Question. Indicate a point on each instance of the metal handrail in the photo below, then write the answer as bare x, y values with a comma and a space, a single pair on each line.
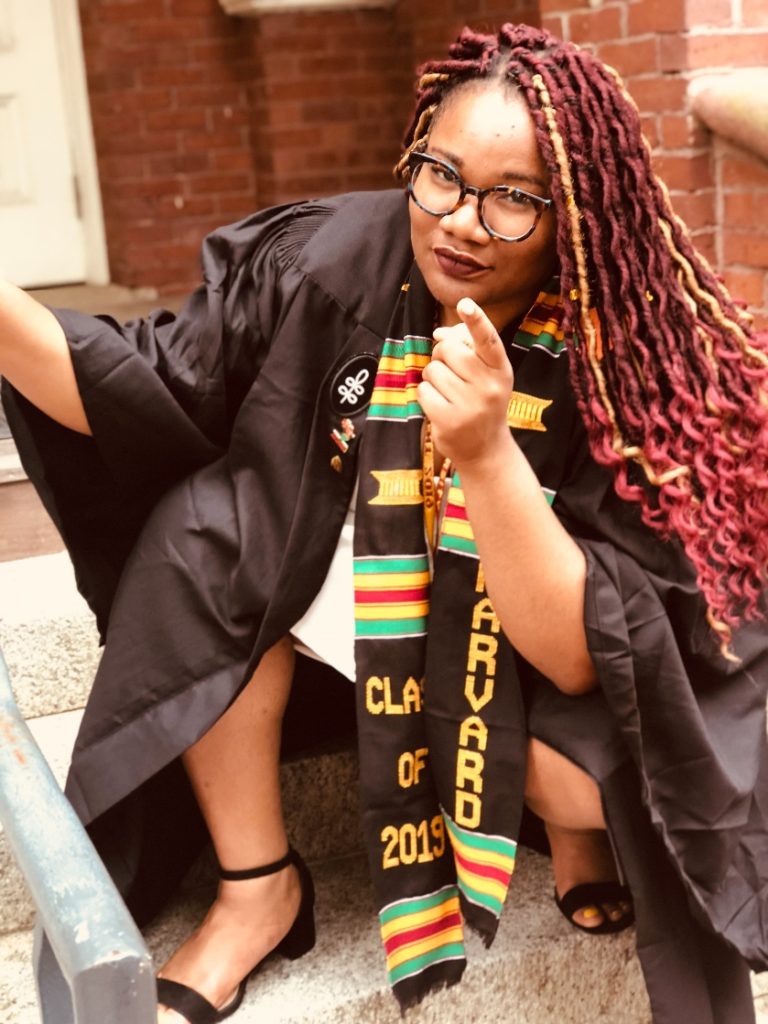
97, 950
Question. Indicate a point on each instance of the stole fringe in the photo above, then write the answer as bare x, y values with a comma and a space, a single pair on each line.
411, 992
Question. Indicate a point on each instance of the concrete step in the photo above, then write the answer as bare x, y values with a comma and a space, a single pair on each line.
47, 634
760, 989
116, 300
26, 528
538, 970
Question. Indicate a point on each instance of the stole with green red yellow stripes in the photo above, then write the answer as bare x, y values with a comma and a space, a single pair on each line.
441, 725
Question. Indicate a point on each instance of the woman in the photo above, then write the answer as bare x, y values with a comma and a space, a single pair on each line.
593, 646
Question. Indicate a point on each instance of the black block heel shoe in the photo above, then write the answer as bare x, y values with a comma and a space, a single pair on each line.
299, 940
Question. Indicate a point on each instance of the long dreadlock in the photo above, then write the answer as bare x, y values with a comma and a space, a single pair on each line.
668, 374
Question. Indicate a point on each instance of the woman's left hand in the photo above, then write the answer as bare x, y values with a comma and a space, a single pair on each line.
466, 387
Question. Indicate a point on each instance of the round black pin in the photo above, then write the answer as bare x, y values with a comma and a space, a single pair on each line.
352, 386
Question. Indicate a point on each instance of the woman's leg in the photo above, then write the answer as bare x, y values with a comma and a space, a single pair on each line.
234, 770
567, 799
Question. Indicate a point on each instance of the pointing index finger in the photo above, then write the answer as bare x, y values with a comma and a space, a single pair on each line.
484, 335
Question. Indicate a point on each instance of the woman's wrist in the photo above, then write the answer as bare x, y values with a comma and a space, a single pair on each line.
488, 461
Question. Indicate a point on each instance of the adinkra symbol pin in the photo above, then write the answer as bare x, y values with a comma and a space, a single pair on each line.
352, 386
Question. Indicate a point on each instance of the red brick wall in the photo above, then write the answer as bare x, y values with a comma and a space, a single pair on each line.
326, 114
638, 38
742, 241
334, 90
724, 34
432, 24
200, 117
169, 90
659, 46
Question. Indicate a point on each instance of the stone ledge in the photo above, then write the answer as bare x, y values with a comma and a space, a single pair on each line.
735, 105
253, 8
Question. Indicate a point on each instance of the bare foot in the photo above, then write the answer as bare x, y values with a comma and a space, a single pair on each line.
580, 856
247, 920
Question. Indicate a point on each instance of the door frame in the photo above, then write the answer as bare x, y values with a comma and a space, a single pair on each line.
69, 42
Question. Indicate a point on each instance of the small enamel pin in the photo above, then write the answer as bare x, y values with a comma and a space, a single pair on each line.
341, 437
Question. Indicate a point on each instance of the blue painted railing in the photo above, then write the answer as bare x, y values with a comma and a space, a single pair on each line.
91, 958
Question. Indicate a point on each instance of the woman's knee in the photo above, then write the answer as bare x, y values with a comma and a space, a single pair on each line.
266, 692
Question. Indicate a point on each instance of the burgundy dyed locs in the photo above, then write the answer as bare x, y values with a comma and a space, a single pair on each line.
670, 378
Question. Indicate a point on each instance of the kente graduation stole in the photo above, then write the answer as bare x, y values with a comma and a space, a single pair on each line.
441, 724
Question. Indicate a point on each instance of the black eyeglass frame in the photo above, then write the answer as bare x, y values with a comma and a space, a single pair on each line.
415, 160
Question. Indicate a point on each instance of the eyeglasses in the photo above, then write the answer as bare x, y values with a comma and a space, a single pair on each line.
506, 212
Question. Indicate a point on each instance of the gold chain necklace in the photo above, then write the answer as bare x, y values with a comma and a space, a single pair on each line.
433, 491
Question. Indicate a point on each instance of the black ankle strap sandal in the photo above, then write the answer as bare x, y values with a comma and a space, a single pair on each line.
597, 894
299, 940
268, 869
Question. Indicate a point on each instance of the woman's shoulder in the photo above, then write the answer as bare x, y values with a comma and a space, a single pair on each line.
320, 234
355, 248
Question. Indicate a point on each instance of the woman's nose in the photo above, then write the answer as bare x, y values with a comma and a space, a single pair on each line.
465, 222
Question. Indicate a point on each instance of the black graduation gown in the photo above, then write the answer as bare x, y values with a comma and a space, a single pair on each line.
211, 444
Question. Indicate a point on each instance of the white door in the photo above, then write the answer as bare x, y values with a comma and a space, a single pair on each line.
41, 230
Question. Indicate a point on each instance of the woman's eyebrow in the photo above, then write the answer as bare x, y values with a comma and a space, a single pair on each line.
458, 163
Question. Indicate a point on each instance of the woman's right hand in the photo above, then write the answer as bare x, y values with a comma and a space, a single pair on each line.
35, 359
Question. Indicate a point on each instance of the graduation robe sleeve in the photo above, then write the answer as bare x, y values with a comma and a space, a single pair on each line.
161, 394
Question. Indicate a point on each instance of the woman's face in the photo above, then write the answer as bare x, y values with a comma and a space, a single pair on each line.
487, 134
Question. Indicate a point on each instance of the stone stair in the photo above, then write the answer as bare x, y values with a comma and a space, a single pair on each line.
538, 970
